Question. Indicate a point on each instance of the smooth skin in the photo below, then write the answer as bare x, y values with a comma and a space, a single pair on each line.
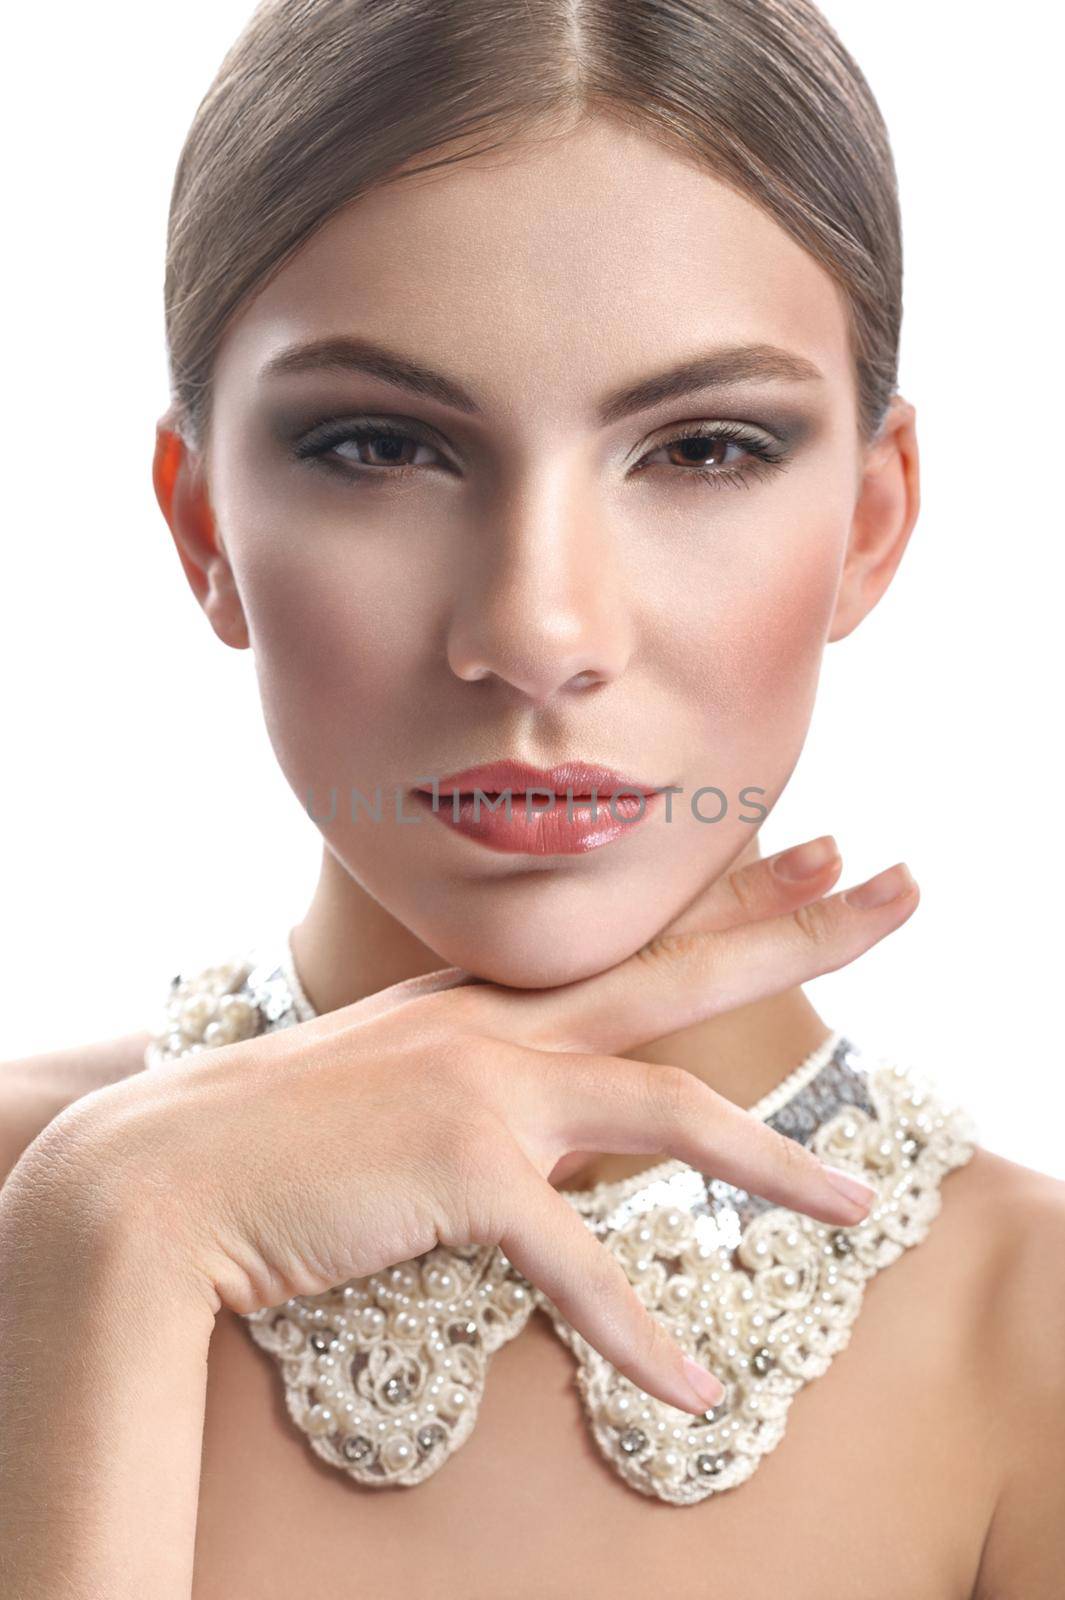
534, 581
430, 1113
531, 582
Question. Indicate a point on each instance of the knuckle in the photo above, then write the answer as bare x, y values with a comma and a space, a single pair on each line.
793, 1158
667, 1093
653, 1345
651, 953
666, 947
605, 1280
815, 922
690, 955
743, 886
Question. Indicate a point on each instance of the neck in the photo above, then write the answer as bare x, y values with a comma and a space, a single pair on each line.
348, 947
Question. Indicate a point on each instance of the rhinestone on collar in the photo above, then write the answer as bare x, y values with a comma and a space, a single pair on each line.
384, 1374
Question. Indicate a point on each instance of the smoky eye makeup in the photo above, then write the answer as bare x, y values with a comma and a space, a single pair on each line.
363, 429
374, 449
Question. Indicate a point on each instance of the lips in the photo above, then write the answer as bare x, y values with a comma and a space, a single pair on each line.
547, 827
519, 777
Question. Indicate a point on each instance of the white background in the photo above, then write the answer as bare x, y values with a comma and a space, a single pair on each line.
145, 820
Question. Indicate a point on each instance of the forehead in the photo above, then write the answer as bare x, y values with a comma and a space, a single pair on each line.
550, 268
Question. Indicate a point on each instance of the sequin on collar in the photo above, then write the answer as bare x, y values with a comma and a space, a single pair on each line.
384, 1375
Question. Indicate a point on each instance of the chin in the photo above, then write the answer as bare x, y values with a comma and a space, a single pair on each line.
534, 963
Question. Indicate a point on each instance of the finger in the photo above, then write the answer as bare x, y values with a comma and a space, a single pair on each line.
770, 887
677, 980
764, 888
615, 1104
416, 988
759, 889
422, 987
557, 1252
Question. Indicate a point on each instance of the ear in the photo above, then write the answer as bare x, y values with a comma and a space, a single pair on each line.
889, 498
181, 490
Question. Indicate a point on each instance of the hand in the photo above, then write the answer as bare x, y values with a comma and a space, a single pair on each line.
437, 1111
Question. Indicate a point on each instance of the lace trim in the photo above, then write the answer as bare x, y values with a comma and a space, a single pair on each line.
385, 1374
768, 1315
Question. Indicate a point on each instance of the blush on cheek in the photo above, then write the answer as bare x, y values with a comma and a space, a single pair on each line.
754, 677
328, 671
793, 624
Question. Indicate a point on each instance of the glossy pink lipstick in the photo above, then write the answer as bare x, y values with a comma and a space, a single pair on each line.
563, 810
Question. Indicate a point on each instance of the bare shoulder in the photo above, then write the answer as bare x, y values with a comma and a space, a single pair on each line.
988, 1186
35, 1089
1009, 1222
1011, 1219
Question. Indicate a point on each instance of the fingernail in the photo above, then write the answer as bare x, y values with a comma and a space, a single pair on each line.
850, 1187
882, 889
707, 1389
806, 859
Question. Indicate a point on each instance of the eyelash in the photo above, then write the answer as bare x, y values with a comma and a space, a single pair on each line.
766, 454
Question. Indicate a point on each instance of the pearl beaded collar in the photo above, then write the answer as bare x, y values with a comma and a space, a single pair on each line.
384, 1375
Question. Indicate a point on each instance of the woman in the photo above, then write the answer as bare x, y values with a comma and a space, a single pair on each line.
534, 421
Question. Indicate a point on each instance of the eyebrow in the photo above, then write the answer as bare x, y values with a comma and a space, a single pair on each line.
717, 368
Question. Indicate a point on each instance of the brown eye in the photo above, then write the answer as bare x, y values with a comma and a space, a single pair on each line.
380, 449
700, 450
369, 451
718, 454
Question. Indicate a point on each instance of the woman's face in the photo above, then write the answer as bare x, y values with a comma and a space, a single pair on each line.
541, 571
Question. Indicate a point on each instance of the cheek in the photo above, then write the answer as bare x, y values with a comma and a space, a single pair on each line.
332, 642
781, 639
751, 657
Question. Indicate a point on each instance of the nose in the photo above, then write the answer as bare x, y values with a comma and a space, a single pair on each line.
541, 604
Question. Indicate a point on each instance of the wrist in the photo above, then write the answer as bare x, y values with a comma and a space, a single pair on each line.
88, 1221
104, 1339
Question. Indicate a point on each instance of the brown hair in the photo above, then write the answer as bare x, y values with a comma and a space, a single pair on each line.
318, 100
